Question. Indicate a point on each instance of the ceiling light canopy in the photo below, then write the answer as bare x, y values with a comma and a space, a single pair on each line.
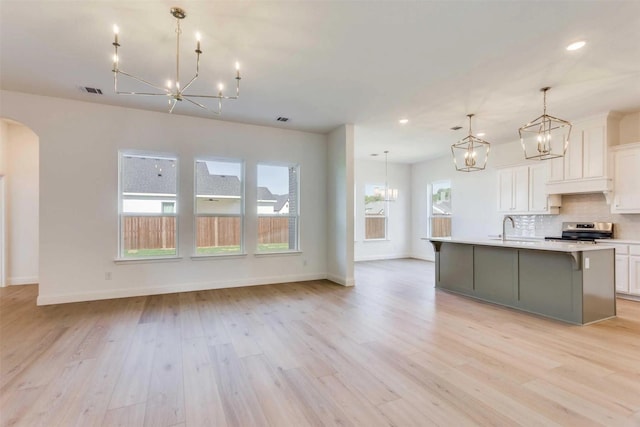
403, 121
471, 153
174, 90
546, 137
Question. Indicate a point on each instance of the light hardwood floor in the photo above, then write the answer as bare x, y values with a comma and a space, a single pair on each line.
391, 351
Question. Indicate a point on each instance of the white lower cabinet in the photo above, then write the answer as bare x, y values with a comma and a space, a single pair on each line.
622, 273
627, 268
634, 274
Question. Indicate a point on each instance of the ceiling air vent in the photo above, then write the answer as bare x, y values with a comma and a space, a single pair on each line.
456, 128
92, 90
282, 119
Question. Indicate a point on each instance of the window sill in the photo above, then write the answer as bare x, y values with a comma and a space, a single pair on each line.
376, 240
210, 257
147, 260
285, 253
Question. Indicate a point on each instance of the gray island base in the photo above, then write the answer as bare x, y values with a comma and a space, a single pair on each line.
570, 282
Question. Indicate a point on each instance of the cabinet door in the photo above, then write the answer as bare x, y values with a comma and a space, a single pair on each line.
626, 179
556, 169
594, 152
573, 157
622, 273
505, 190
521, 189
537, 188
634, 274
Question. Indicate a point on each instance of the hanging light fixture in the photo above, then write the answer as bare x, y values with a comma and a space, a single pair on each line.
174, 90
470, 154
387, 194
546, 137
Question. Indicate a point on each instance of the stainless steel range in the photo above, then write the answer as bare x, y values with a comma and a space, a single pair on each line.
584, 232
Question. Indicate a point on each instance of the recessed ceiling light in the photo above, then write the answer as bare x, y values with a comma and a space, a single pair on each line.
403, 121
480, 134
577, 45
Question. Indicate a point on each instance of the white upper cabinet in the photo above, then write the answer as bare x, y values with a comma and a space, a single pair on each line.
626, 178
584, 169
521, 190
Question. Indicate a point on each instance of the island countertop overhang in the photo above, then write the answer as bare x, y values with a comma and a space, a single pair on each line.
523, 244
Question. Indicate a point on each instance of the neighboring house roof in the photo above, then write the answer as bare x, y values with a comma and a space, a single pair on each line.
147, 175
281, 200
216, 185
264, 194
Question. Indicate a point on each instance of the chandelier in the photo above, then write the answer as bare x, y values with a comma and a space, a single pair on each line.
174, 90
470, 153
546, 137
390, 194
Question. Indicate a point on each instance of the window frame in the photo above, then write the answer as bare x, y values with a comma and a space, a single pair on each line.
121, 214
297, 215
196, 215
386, 216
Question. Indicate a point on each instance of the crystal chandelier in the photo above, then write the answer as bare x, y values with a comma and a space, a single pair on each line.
546, 137
174, 90
470, 153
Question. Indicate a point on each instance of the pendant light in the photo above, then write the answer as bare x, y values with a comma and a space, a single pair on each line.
546, 137
471, 153
390, 194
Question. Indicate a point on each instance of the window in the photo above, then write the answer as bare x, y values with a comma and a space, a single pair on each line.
219, 206
278, 208
147, 206
375, 212
440, 209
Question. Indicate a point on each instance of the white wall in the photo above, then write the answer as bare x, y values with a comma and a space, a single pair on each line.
630, 128
21, 204
79, 145
339, 209
4, 138
398, 243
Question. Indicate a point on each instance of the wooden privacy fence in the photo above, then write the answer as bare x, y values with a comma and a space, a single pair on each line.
217, 231
273, 229
374, 227
440, 226
155, 232
149, 232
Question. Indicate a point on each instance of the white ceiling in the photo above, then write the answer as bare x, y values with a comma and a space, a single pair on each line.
324, 63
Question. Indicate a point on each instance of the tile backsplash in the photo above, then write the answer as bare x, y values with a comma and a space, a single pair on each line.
576, 208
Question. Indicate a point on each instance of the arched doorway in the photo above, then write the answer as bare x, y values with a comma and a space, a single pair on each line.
19, 204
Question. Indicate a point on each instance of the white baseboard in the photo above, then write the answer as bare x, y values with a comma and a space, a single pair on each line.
24, 280
341, 281
423, 258
170, 289
381, 257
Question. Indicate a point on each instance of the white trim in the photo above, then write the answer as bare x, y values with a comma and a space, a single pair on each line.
170, 289
382, 257
146, 260
24, 280
220, 256
341, 281
261, 254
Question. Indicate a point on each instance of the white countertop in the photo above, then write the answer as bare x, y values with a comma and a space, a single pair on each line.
539, 245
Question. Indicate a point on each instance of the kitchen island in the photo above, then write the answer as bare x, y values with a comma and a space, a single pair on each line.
566, 281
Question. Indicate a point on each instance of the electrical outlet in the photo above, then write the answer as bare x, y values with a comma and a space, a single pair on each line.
107, 275
586, 264
304, 262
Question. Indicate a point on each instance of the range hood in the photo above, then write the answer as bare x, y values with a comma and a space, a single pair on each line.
583, 186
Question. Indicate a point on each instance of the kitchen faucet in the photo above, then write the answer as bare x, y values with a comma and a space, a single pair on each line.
504, 226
